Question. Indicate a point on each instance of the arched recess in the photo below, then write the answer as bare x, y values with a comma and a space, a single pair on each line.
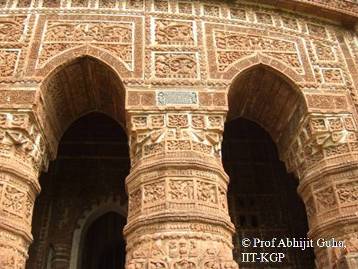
78, 86
88, 218
265, 95
262, 96
84, 182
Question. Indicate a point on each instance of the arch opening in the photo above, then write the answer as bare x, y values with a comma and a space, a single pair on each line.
103, 243
262, 197
85, 182
269, 98
83, 85
265, 110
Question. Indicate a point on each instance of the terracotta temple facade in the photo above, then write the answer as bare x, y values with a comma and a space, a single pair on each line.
145, 134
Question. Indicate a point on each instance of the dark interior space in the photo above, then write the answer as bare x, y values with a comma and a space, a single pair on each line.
91, 166
104, 246
263, 201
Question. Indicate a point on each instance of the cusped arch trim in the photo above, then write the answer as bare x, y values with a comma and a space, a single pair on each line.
72, 54
280, 68
88, 217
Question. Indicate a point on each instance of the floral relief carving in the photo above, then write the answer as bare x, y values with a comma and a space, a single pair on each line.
325, 199
135, 4
321, 101
11, 29
264, 18
24, 3
176, 65
323, 137
157, 121
20, 139
347, 192
8, 62
211, 10
290, 23
317, 30
161, 5
51, 3
332, 76
184, 264
238, 14
154, 192
181, 190
185, 7
107, 4
158, 133
207, 192
116, 37
324, 52
181, 253
79, 3
198, 121
178, 121
135, 200
233, 46
169, 32
13, 200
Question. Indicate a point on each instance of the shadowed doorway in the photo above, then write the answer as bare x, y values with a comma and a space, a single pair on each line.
104, 246
262, 196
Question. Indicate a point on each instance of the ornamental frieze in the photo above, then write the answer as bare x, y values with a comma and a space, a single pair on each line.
116, 37
21, 139
8, 61
234, 46
159, 133
322, 138
12, 29
174, 32
179, 252
174, 65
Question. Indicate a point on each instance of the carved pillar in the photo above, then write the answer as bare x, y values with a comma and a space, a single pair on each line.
21, 159
178, 215
325, 157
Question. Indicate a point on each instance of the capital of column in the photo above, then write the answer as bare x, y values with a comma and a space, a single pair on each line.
325, 157
22, 156
178, 213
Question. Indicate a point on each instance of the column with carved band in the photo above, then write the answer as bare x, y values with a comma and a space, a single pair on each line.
22, 156
325, 157
178, 215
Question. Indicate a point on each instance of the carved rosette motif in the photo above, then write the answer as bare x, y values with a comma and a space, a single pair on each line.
178, 214
22, 156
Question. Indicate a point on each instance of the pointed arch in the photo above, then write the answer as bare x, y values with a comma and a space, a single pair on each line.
261, 59
88, 217
79, 84
270, 96
69, 55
